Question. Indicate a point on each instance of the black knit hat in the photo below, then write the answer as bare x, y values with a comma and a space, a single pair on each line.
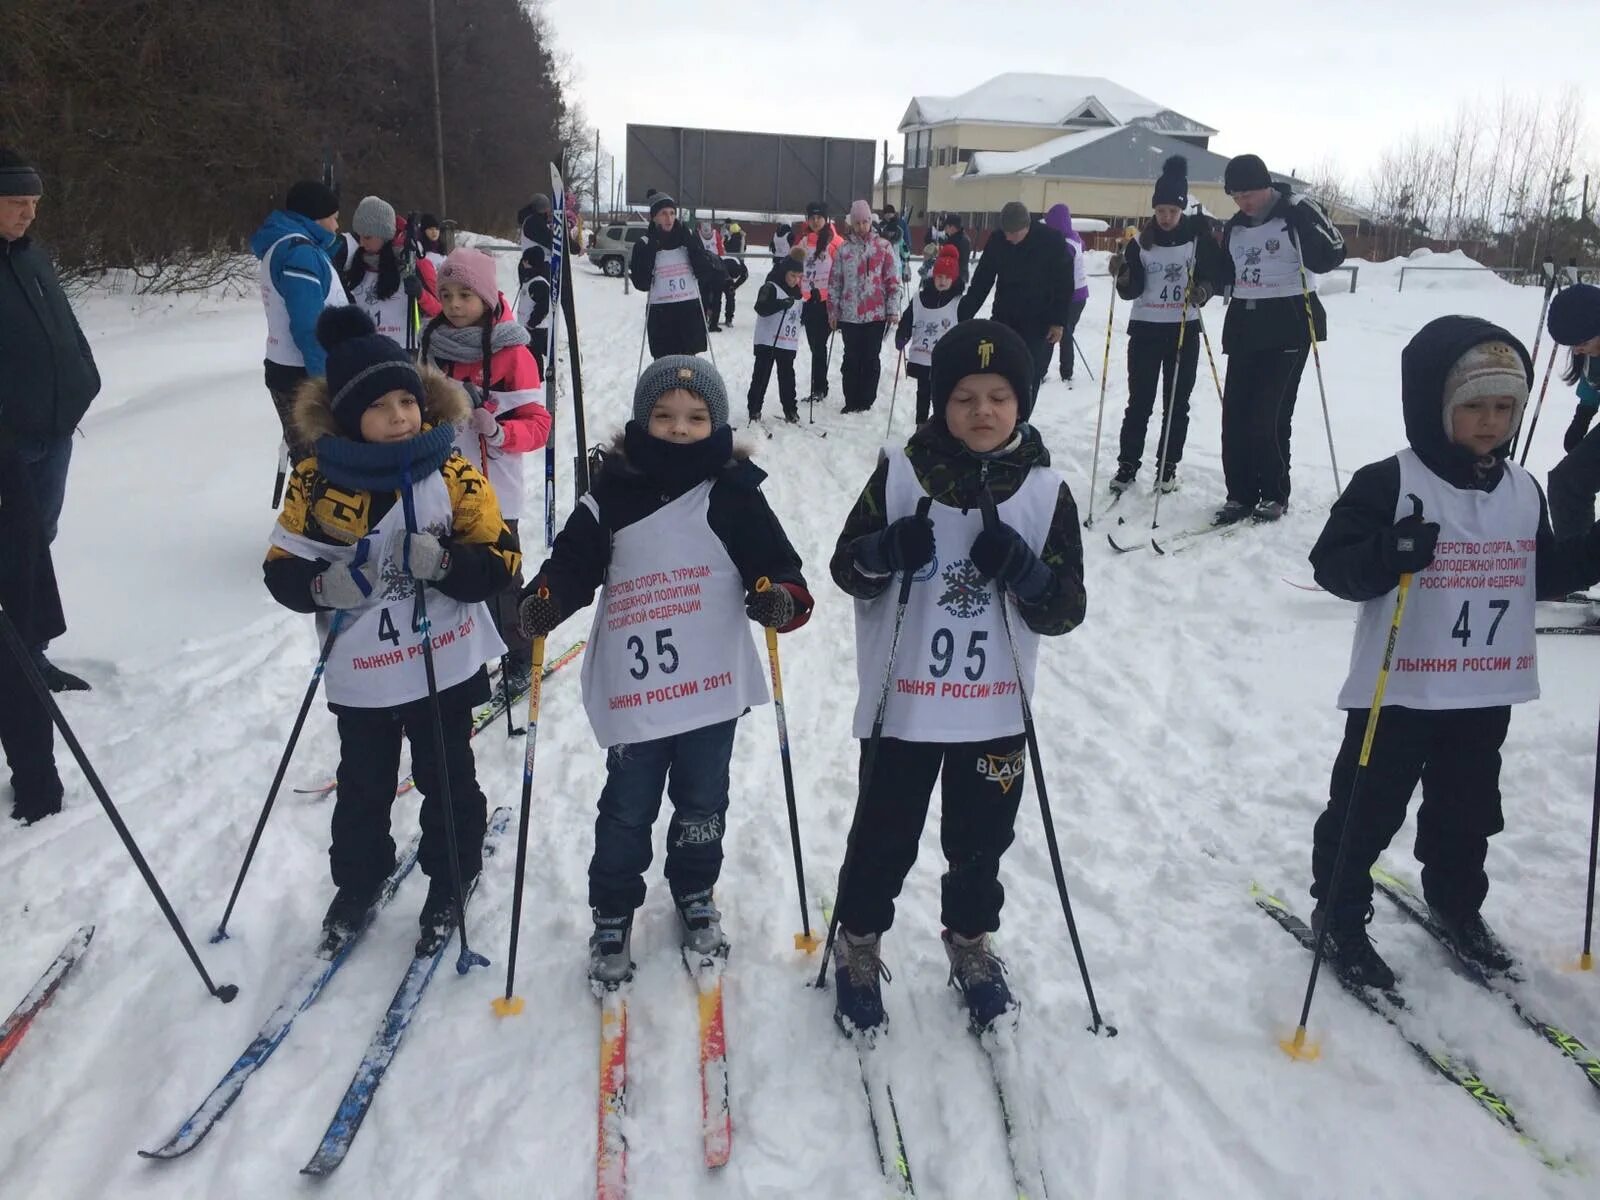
1574, 315
1245, 173
952, 219
659, 201
982, 347
311, 200
816, 209
1173, 185
18, 177
362, 366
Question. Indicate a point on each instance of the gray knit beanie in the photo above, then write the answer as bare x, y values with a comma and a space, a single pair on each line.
687, 371
374, 218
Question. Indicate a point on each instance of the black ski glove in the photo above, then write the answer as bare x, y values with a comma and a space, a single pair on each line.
783, 606
1000, 553
1579, 427
1407, 545
905, 545
1199, 293
413, 286
538, 613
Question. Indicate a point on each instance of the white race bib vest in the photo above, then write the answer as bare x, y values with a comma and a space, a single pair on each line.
673, 281
670, 649
1080, 266
435, 258
1167, 270
928, 325
953, 678
281, 348
780, 245
525, 303
780, 329
504, 471
377, 659
1467, 639
1266, 262
816, 272
391, 315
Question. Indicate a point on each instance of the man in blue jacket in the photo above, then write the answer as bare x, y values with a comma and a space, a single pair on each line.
47, 380
297, 282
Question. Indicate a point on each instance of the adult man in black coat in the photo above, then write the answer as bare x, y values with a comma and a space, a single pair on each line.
47, 371
1030, 267
674, 325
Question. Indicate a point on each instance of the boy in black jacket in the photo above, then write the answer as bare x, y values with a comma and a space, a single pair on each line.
683, 546
1269, 244
1471, 526
777, 336
1169, 272
674, 270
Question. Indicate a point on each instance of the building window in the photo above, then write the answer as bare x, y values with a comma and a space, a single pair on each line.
963, 156
909, 155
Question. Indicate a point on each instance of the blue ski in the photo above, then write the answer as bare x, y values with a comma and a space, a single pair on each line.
385, 1041
301, 995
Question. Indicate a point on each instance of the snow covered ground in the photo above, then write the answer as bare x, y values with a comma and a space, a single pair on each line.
1187, 728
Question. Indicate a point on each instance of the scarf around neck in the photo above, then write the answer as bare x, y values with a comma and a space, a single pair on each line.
384, 467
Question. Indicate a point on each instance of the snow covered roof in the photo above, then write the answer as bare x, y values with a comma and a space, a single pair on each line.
1018, 98
1128, 152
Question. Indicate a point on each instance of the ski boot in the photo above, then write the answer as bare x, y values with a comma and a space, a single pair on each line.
1169, 480
1123, 479
979, 976
1350, 949
31, 802
438, 918
346, 915
1231, 513
792, 415
516, 677
1472, 938
858, 972
701, 925
611, 950
1268, 510
55, 678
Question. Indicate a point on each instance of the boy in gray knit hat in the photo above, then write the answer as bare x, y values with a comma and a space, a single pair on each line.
678, 539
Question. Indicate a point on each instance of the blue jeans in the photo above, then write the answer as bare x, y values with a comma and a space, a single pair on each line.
47, 459
693, 768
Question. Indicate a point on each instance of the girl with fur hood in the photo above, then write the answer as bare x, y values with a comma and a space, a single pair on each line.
930, 315
682, 545
384, 507
478, 342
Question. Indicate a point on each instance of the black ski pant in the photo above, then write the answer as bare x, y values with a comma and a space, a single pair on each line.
1573, 484
814, 320
862, 365
766, 358
692, 767
737, 274
283, 402
32, 602
924, 377
1456, 755
676, 328
1257, 410
980, 786
362, 850
539, 347
1152, 354
503, 608
1068, 355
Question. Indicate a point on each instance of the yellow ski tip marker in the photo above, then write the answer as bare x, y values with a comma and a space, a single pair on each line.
807, 942
507, 1006
1299, 1047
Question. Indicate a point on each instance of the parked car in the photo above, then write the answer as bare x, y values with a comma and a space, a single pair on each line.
613, 246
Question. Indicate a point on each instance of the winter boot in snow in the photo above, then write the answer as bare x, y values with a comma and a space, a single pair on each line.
1474, 940
55, 678
34, 802
346, 915
701, 924
979, 976
857, 972
792, 415
1231, 513
1123, 479
1350, 950
1268, 510
437, 920
611, 949
1169, 479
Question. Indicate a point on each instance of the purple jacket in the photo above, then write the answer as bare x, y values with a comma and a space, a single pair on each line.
1059, 218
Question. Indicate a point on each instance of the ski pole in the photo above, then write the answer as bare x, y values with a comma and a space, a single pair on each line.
467, 958
221, 935
705, 324
1082, 357
1533, 423
283, 474
894, 391
1316, 357
1586, 959
806, 940
510, 1004
991, 518
1296, 1046
569, 309
869, 755
227, 991
1168, 414
1100, 416
1205, 339
639, 368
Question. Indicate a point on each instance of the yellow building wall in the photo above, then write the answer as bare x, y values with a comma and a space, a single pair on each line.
1086, 198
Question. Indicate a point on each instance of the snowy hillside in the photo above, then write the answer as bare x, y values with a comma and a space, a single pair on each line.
1187, 728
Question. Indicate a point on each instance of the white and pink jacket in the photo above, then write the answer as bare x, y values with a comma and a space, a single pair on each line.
864, 284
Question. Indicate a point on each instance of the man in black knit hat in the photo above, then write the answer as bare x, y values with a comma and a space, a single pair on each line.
1275, 238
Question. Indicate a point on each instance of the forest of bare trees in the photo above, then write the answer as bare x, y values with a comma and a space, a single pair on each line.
169, 127
1504, 178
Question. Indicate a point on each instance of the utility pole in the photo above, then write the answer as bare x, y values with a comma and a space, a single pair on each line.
438, 118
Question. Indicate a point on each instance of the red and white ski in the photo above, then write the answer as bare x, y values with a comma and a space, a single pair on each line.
21, 1019
611, 1153
716, 1117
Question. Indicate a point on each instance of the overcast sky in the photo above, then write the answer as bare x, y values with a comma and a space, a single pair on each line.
1295, 82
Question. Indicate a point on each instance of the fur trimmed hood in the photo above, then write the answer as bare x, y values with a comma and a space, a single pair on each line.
313, 418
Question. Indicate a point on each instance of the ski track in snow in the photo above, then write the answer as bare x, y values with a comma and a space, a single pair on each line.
1187, 729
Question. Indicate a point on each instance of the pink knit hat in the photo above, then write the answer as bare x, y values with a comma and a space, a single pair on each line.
473, 270
861, 211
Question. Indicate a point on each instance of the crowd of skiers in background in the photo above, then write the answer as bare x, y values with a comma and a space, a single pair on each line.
408, 388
